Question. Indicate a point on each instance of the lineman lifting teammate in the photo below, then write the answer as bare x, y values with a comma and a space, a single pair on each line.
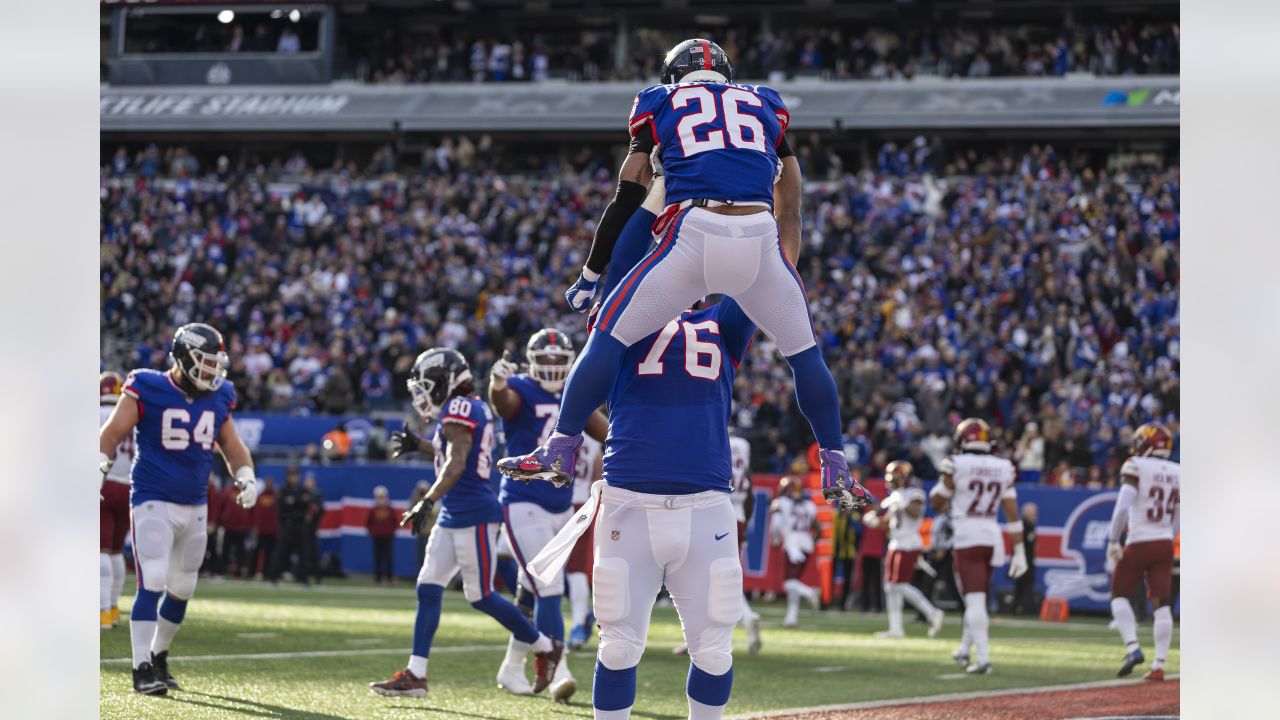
534, 512
904, 509
719, 143
1149, 506
972, 487
175, 418
664, 514
466, 533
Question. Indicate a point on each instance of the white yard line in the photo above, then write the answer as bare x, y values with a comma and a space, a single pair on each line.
948, 697
313, 653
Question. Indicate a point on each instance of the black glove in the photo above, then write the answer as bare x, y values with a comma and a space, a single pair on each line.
418, 517
403, 441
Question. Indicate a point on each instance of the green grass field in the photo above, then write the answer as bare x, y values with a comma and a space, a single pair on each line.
240, 641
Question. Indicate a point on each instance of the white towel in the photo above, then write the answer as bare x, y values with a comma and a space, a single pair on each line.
544, 566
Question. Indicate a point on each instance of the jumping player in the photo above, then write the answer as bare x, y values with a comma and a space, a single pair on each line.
904, 509
973, 485
794, 525
113, 510
534, 512
719, 145
466, 532
1149, 506
175, 417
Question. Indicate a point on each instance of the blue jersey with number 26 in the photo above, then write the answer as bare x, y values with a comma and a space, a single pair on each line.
472, 500
532, 424
174, 437
718, 140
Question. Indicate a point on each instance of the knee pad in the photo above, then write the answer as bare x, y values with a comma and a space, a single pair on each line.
724, 592
610, 595
182, 584
620, 648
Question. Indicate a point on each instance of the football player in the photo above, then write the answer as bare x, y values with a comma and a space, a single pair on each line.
973, 486
533, 513
719, 146
904, 509
793, 523
1148, 506
175, 417
578, 569
466, 532
113, 510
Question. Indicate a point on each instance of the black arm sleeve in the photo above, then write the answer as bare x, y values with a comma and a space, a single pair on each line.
642, 142
784, 148
628, 198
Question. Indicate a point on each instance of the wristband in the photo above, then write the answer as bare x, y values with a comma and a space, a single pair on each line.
245, 474
1014, 527
589, 275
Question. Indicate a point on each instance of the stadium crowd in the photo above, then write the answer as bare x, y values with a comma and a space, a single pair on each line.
1040, 295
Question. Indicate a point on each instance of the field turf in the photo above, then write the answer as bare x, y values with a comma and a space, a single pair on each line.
248, 650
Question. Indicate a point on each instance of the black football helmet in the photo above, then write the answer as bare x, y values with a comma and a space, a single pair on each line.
550, 354
694, 60
200, 355
437, 375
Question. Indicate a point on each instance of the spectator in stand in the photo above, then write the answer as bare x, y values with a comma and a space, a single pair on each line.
289, 42
1029, 455
266, 526
375, 386
381, 524
236, 522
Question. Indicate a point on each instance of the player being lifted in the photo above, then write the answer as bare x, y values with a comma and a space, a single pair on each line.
464, 537
794, 524
904, 509
534, 512
973, 486
1148, 506
113, 510
175, 417
664, 516
719, 143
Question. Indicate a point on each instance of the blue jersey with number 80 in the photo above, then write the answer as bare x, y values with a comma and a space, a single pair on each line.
718, 140
472, 500
175, 437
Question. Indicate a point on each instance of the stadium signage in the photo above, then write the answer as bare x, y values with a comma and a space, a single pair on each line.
264, 104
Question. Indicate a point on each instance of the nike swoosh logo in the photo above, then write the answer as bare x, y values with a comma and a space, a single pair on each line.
721, 536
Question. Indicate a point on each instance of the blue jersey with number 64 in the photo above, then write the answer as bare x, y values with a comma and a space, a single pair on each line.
472, 500
174, 437
717, 140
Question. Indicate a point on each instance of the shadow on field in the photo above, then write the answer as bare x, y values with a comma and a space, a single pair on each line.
254, 709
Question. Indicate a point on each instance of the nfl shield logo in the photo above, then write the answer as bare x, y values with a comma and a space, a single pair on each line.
615, 535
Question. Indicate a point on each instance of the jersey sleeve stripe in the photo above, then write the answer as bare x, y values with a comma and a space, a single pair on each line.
459, 420
131, 391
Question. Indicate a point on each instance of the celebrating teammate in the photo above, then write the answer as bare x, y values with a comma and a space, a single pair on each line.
1149, 506
175, 418
534, 512
794, 525
973, 486
464, 536
719, 145
113, 510
904, 509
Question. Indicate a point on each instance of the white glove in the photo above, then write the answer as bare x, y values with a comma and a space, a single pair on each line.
247, 484
1018, 564
1114, 550
871, 519
502, 371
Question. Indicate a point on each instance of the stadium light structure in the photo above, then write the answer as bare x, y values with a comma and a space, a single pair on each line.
226, 16
295, 15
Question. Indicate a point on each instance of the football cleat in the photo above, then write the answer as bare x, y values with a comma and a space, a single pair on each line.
554, 462
545, 666
146, 682
753, 635
961, 657
839, 488
563, 686
104, 620
1156, 675
935, 622
1132, 660
979, 669
402, 684
511, 678
160, 661
578, 636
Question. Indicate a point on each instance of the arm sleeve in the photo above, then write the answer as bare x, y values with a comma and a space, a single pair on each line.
1120, 514
736, 330
623, 206
633, 243
784, 148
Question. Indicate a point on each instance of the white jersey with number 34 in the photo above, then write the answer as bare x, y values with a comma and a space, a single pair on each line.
981, 482
1152, 515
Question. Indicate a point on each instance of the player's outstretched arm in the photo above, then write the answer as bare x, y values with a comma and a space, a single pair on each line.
633, 185
239, 463
455, 460
503, 399
786, 208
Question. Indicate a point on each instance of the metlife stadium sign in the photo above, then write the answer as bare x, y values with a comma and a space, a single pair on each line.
602, 107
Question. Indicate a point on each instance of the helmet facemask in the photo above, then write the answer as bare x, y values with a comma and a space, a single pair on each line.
204, 370
550, 366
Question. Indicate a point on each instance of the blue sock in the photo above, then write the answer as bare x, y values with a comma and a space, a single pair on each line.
526, 599
589, 382
817, 397
145, 603
500, 609
613, 689
173, 609
708, 689
509, 572
430, 598
550, 619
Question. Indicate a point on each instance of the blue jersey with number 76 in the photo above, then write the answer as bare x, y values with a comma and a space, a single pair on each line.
717, 140
174, 437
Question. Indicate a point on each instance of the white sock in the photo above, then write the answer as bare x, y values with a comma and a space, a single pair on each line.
579, 598
698, 711
104, 578
793, 599
141, 633
747, 613
975, 613
117, 578
542, 644
1122, 611
516, 652
1164, 635
966, 637
623, 714
165, 631
894, 607
418, 666
912, 594
562, 670
812, 594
